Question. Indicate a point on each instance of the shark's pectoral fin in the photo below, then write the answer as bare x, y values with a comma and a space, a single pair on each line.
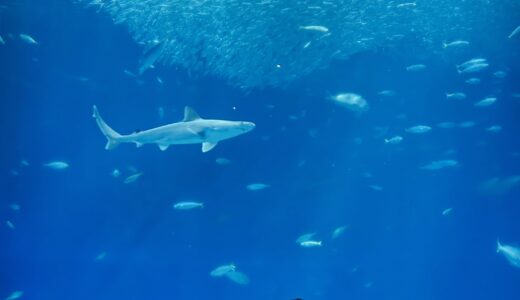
206, 146
163, 147
138, 145
200, 133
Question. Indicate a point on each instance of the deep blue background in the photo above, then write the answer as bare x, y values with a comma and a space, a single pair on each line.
397, 239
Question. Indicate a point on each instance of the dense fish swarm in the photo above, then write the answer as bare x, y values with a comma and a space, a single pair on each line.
273, 42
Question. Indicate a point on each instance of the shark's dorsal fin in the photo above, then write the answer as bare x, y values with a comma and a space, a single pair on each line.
190, 114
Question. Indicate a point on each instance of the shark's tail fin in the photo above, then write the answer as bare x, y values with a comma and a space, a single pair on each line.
499, 246
111, 135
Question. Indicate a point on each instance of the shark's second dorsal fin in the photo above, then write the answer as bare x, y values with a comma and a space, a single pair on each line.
190, 114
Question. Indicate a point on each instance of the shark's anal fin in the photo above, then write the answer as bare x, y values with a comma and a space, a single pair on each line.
138, 145
190, 114
206, 146
163, 147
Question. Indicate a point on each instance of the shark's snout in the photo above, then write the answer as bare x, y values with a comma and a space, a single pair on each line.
247, 126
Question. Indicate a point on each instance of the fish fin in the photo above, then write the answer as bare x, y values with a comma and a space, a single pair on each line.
111, 135
498, 245
138, 145
206, 146
200, 133
163, 147
190, 114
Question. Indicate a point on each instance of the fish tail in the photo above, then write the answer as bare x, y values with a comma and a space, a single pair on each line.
111, 135
498, 245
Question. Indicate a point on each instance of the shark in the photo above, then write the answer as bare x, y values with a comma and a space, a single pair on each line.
191, 130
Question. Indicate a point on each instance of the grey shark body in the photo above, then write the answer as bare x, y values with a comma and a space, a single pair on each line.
191, 130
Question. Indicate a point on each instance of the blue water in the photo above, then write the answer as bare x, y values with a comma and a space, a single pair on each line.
398, 244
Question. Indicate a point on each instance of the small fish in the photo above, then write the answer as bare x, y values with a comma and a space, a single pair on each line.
415, 68
188, 205
500, 74
116, 173
132, 178
456, 96
376, 187
150, 57
222, 161
15, 295
453, 44
494, 128
237, 277
473, 81
257, 186
467, 124
57, 165
2, 42
9, 224
419, 129
15, 207
407, 4
338, 231
447, 125
100, 256
440, 164
512, 254
28, 39
129, 73
318, 28
471, 62
24, 163
311, 244
351, 101
305, 237
387, 93
160, 112
394, 140
473, 68
514, 32
222, 270
486, 102
447, 211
